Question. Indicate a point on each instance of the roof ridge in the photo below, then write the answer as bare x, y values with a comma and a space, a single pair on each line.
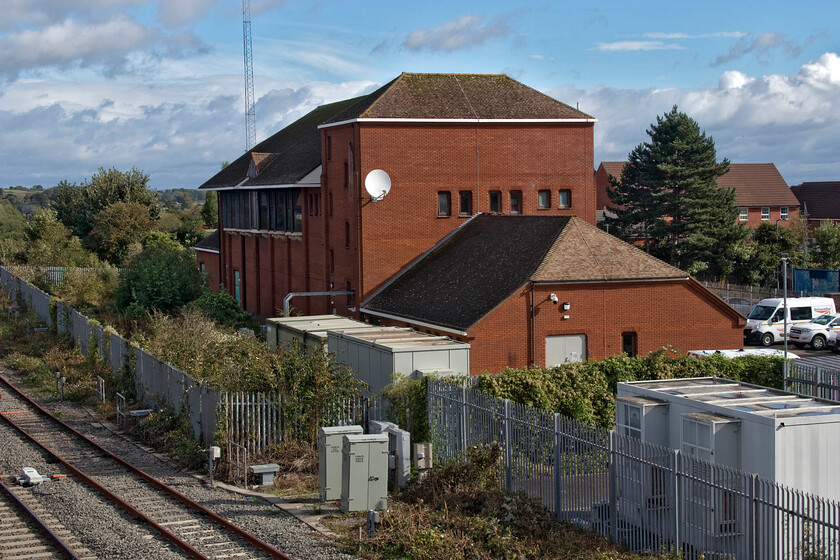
591, 252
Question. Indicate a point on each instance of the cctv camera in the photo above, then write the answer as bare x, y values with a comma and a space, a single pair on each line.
553, 298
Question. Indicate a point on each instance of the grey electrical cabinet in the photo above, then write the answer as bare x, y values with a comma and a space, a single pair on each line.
330, 440
364, 472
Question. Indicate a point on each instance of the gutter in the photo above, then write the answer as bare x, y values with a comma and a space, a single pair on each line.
412, 322
456, 121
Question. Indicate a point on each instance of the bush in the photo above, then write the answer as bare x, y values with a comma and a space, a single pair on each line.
223, 309
159, 279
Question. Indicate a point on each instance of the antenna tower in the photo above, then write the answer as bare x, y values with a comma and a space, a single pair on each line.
250, 121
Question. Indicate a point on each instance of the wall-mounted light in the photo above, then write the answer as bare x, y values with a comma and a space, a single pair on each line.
566, 305
554, 299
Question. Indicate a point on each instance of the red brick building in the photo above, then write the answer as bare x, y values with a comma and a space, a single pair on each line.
761, 193
820, 201
545, 290
295, 216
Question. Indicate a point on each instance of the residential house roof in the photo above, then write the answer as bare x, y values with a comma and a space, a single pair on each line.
490, 257
292, 153
209, 244
821, 197
755, 184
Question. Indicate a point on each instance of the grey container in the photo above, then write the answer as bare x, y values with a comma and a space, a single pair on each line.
364, 472
330, 440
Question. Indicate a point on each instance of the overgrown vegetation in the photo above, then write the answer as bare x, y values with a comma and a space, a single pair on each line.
586, 390
172, 433
458, 512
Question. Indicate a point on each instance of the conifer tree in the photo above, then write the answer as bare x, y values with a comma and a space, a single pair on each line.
668, 198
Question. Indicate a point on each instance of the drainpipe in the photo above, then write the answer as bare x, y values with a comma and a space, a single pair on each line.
533, 329
290, 295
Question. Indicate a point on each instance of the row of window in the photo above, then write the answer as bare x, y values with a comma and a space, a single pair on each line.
269, 210
784, 213
465, 201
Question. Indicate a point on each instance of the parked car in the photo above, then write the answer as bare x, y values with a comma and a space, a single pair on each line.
766, 323
814, 333
735, 353
833, 341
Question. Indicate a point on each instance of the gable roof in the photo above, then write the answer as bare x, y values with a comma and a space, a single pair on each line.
755, 184
487, 259
209, 244
295, 151
821, 197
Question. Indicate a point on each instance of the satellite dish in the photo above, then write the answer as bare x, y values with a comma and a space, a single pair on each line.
377, 184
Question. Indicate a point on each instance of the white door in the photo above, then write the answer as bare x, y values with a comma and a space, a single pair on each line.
565, 349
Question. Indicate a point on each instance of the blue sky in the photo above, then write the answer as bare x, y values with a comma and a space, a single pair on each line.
159, 85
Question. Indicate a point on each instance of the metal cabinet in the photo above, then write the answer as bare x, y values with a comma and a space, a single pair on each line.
364, 472
330, 440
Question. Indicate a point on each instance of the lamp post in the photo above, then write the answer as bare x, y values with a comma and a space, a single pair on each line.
785, 260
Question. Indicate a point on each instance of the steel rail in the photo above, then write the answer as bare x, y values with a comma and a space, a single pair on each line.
56, 540
134, 512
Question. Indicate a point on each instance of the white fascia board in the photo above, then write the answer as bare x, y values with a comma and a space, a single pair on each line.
456, 121
412, 321
214, 251
310, 180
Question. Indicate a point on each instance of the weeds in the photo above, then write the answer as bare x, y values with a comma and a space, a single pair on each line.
173, 434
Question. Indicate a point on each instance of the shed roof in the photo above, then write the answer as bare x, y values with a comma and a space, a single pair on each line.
209, 244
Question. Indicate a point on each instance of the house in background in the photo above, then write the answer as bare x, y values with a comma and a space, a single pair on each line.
547, 290
209, 261
819, 200
295, 218
760, 191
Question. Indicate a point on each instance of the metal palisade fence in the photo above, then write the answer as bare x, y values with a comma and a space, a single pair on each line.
812, 380
646, 497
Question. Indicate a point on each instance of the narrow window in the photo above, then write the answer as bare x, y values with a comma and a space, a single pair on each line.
765, 213
347, 235
515, 202
444, 204
465, 203
346, 175
349, 296
296, 196
329, 148
744, 214
783, 213
564, 198
332, 261
331, 204
203, 271
544, 199
311, 204
236, 287
628, 344
495, 201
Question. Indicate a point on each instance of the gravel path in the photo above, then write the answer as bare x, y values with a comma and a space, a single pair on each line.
110, 536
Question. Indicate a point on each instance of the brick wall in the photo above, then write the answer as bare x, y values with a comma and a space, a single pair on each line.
212, 269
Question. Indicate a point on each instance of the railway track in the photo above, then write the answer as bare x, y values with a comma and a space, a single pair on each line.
27, 531
197, 531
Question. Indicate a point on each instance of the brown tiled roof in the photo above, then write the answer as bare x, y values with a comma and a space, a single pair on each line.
755, 184
758, 184
462, 96
821, 197
613, 168
584, 253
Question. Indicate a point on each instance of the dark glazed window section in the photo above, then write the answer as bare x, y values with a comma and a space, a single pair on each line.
515, 202
267, 210
347, 235
495, 201
465, 203
444, 203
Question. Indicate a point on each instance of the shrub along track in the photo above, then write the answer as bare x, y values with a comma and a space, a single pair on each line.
197, 531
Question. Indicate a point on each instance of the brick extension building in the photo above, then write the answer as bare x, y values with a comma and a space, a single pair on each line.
296, 220
545, 290
295, 217
761, 193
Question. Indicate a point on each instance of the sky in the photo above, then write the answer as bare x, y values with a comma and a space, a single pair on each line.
159, 85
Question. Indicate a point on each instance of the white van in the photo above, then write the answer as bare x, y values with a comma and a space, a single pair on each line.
766, 323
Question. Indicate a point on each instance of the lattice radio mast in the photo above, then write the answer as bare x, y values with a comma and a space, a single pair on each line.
250, 120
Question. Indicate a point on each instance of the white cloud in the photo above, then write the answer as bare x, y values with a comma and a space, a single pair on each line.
638, 46
792, 121
466, 31
723, 34
183, 12
45, 12
760, 46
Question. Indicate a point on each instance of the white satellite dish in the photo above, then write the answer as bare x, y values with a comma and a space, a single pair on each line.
377, 184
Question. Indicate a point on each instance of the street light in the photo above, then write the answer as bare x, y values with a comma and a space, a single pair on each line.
785, 260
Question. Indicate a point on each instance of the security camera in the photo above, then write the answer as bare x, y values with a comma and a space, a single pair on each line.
554, 299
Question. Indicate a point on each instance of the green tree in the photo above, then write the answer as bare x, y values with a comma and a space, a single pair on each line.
50, 243
668, 197
159, 279
825, 251
116, 228
210, 209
